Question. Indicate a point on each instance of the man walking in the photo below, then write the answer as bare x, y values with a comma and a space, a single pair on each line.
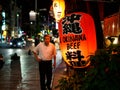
44, 53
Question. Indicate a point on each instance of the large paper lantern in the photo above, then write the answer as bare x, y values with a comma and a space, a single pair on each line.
77, 36
58, 9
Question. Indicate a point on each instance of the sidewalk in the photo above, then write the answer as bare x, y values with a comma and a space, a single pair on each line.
23, 74
58, 73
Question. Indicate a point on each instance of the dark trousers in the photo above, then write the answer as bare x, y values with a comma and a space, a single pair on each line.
1, 63
45, 69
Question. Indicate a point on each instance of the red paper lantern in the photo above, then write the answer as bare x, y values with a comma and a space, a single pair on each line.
77, 36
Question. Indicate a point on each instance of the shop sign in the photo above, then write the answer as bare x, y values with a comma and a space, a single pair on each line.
77, 36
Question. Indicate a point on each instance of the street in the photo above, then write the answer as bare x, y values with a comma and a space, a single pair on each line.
20, 74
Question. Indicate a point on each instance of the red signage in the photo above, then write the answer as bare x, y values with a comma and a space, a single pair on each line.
77, 36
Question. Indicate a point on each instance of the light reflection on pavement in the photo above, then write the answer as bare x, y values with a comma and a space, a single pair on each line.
20, 74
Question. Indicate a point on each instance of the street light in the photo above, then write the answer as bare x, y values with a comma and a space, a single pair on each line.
32, 15
17, 21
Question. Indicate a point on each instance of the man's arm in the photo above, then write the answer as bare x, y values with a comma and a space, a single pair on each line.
36, 56
54, 57
54, 61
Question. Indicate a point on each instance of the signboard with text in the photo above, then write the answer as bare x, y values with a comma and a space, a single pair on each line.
77, 36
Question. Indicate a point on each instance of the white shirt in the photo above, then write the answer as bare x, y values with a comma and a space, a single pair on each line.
45, 52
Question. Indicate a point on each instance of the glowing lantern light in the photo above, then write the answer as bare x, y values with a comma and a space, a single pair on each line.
77, 36
58, 9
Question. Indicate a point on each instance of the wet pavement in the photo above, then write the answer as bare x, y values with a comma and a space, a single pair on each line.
59, 72
23, 74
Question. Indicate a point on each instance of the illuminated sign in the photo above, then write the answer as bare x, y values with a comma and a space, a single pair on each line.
77, 36
58, 9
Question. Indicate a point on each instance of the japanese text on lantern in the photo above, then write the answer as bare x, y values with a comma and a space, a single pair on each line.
71, 24
72, 27
77, 36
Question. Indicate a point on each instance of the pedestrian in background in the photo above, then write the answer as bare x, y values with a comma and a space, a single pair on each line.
1, 61
37, 40
44, 53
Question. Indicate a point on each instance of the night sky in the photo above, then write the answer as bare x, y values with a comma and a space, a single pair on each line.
27, 5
